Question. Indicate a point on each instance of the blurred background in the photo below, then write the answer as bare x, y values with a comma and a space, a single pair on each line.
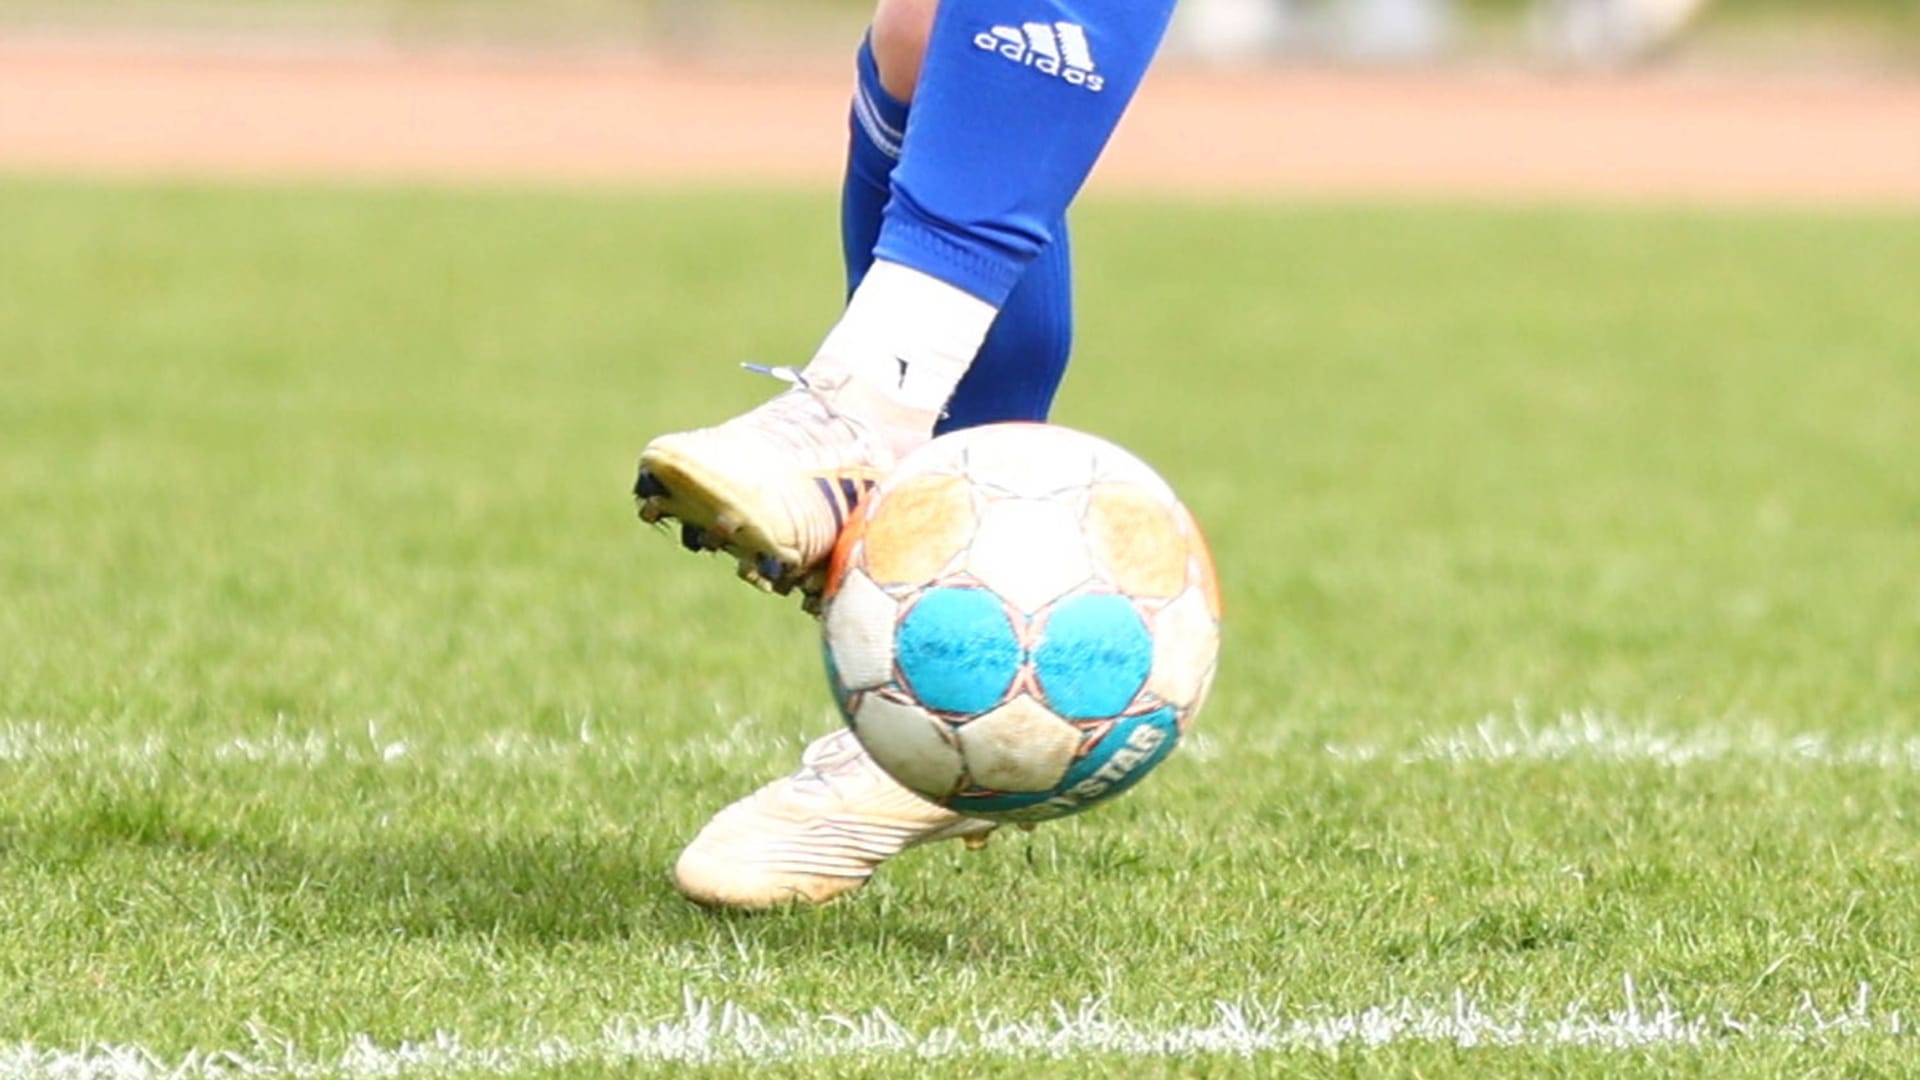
1663, 100
1586, 33
1570, 546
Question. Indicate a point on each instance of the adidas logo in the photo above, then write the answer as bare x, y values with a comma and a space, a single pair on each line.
1057, 49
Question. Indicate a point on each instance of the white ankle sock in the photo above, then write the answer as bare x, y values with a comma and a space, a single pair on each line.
905, 338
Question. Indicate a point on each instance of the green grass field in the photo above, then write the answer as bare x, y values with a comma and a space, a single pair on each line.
1569, 721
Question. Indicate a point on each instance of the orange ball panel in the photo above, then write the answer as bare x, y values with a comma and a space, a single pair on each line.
1136, 538
1208, 580
918, 528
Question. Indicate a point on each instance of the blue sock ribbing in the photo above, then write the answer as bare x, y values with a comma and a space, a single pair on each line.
1024, 357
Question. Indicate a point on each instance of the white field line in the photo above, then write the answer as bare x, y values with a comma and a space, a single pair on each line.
708, 1032
1595, 737
1581, 737
285, 746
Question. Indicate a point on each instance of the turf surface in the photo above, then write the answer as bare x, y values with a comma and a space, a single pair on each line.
1573, 580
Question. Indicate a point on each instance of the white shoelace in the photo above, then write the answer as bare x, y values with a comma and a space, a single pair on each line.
803, 429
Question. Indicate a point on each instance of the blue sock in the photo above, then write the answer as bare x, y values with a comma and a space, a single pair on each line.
1025, 355
1016, 100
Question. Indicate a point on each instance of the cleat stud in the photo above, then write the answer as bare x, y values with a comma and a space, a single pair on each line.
810, 603
648, 486
977, 841
771, 568
692, 537
651, 512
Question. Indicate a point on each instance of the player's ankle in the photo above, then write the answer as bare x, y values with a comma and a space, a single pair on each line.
899, 425
902, 346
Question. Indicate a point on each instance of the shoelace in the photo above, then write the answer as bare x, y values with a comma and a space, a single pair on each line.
838, 761
803, 429
790, 375
795, 377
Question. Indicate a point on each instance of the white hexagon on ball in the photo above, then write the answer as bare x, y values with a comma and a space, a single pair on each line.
1030, 460
1186, 642
1029, 551
1020, 746
910, 744
860, 625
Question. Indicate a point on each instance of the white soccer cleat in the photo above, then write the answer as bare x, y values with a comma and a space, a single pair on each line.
813, 836
773, 486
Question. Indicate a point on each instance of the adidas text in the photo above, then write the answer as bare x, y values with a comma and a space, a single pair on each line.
1056, 49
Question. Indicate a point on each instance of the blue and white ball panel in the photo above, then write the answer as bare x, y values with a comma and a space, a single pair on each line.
1022, 746
859, 632
1093, 657
1029, 551
909, 743
1122, 758
1186, 642
957, 651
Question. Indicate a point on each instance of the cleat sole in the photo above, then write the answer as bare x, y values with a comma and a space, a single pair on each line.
649, 486
711, 520
753, 577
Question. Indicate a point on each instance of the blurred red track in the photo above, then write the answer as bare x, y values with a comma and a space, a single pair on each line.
93, 108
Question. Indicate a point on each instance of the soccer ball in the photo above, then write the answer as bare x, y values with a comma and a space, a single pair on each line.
1020, 621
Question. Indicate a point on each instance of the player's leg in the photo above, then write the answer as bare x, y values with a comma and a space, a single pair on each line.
1014, 102
822, 832
1024, 356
